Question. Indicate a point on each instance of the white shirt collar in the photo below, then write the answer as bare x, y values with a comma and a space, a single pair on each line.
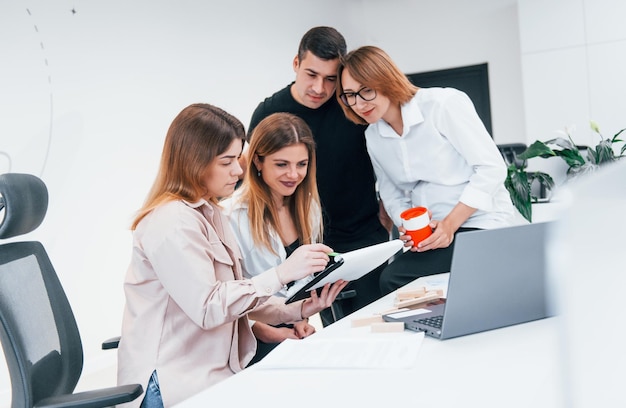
411, 116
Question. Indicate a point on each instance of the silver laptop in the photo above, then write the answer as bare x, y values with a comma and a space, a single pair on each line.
497, 279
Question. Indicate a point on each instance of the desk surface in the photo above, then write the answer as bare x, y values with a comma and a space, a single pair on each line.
515, 366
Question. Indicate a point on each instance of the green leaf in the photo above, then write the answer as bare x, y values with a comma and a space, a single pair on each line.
586, 168
519, 189
563, 143
568, 152
604, 152
571, 157
537, 149
592, 156
544, 181
615, 137
544, 178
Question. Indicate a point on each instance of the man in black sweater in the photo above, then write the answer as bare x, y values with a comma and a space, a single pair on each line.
345, 177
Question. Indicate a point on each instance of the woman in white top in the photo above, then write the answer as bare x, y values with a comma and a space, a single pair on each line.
185, 324
429, 148
276, 210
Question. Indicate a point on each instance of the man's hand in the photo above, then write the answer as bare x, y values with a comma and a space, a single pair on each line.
384, 218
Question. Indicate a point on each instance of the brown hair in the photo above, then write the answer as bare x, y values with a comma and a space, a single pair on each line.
324, 42
195, 138
373, 68
275, 132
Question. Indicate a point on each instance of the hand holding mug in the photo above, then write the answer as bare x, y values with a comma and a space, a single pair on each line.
416, 224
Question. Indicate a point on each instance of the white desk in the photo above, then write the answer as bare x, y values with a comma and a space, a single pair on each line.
511, 367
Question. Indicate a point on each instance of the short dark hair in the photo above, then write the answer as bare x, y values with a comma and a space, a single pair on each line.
324, 42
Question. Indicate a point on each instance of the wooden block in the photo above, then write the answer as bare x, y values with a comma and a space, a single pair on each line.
392, 310
410, 293
366, 320
387, 327
424, 299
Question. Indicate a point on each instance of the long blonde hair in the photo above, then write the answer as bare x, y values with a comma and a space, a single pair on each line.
197, 135
273, 133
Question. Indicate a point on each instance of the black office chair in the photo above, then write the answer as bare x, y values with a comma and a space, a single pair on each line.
336, 308
509, 152
38, 330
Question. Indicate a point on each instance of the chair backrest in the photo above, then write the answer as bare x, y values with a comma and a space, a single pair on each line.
509, 152
24, 198
38, 330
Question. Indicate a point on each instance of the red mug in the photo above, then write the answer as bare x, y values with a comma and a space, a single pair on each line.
416, 222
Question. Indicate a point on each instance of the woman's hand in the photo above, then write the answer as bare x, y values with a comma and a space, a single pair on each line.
271, 334
406, 238
304, 261
444, 230
326, 298
442, 236
303, 329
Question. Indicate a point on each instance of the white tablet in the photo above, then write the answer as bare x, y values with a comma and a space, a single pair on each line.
350, 266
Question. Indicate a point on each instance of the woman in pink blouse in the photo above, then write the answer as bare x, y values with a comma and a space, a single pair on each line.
185, 324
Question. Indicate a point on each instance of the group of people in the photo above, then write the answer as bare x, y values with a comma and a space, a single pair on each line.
330, 161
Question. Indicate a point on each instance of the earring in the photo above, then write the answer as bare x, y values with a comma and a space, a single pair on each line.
258, 173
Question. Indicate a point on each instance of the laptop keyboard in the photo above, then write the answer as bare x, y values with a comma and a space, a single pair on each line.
434, 321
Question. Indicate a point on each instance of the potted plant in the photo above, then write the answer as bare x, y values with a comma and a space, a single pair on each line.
519, 181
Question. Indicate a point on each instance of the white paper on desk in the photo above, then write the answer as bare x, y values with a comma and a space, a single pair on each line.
378, 350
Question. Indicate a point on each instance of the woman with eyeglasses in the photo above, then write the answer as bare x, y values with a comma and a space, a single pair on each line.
429, 148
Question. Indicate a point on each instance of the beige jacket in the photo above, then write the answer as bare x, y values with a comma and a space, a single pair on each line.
187, 303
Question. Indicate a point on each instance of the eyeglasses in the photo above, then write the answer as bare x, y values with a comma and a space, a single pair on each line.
349, 98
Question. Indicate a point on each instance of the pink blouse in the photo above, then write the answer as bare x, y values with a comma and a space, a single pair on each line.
187, 303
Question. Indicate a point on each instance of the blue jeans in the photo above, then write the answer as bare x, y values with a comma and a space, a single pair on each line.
152, 397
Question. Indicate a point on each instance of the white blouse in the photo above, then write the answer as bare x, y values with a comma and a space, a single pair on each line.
444, 155
257, 259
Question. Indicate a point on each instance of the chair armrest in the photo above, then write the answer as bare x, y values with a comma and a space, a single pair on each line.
346, 294
104, 397
111, 343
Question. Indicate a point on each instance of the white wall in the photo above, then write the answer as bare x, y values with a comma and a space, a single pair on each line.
86, 99
429, 35
573, 54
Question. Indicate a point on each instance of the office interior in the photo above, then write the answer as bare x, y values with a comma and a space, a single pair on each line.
89, 88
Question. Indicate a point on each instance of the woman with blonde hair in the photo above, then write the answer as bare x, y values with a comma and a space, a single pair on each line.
277, 209
429, 148
185, 325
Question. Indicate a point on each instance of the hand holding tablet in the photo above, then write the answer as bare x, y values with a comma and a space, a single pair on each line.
350, 266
